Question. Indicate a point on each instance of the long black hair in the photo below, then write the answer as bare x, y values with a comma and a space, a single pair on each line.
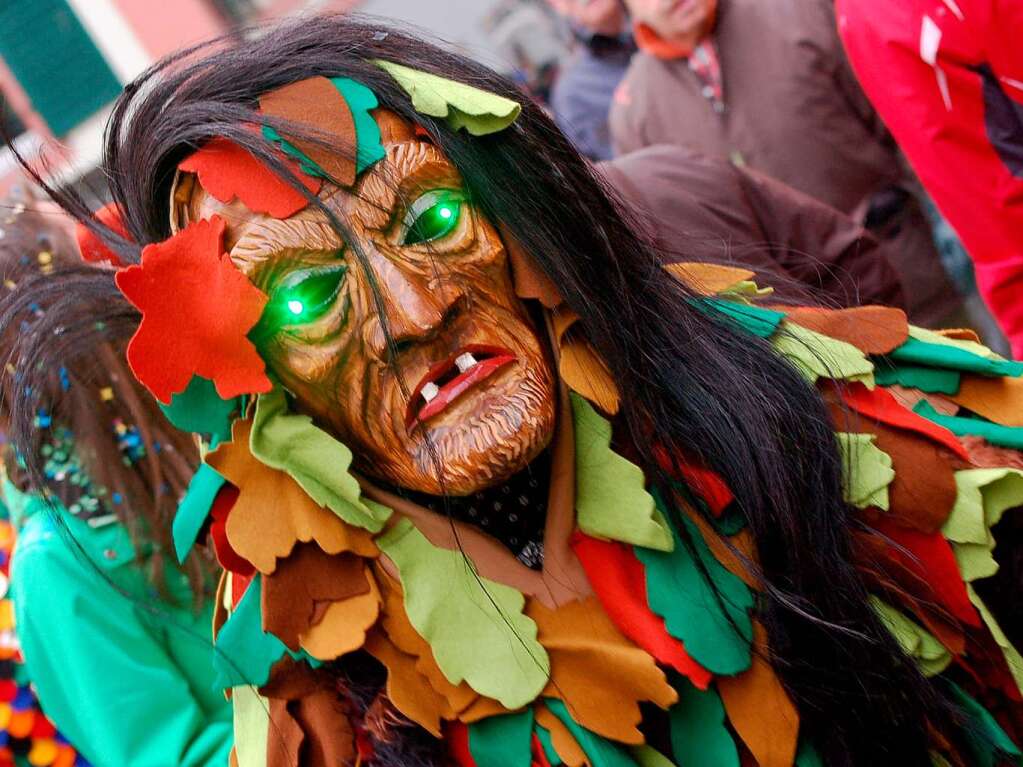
690, 383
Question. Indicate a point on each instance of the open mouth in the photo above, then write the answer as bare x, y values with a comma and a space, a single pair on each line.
448, 380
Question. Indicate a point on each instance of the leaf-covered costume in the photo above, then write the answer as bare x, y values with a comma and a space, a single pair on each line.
565, 664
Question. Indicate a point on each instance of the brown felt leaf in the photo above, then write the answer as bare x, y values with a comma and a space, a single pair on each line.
297, 594
273, 513
708, 279
529, 280
597, 671
997, 399
759, 708
984, 455
731, 557
569, 750
344, 624
581, 368
871, 329
316, 104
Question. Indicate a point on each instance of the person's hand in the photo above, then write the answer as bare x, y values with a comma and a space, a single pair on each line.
600, 17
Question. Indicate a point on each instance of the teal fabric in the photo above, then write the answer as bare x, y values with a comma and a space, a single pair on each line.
753, 319
194, 509
503, 741
931, 380
996, 434
127, 679
917, 352
599, 751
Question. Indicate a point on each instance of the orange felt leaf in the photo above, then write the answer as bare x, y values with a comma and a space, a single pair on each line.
581, 368
871, 329
197, 309
529, 280
599, 673
708, 279
407, 689
315, 102
92, 247
569, 750
997, 399
759, 708
343, 627
227, 170
960, 334
263, 530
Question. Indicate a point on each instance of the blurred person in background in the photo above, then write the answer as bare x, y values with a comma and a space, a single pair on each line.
766, 85
948, 80
114, 634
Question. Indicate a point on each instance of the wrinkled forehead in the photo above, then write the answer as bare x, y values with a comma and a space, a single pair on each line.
411, 165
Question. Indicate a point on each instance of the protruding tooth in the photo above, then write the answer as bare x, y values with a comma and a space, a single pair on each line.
430, 391
465, 361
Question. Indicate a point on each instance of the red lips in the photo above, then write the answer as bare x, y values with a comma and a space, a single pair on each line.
452, 383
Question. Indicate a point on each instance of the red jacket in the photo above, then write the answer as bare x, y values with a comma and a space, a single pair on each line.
947, 78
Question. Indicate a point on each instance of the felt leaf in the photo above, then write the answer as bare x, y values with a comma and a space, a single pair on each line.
930, 380
597, 671
984, 495
197, 308
581, 369
503, 741
871, 329
194, 509
564, 744
611, 500
1013, 659
964, 339
529, 280
91, 246
817, 356
1004, 436
361, 100
708, 279
867, 470
314, 459
808, 756
199, 409
251, 726
619, 580
227, 170
317, 104
244, 652
407, 689
474, 627
952, 354
699, 736
717, 632
755, 320
998, 399
344, 625
460, 105
262, 531
599, 752
760, 710
930, 656
646, 756
985, 738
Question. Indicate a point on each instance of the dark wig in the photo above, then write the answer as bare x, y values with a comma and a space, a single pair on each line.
690, 384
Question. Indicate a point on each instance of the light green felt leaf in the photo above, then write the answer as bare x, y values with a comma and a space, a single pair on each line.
930, 380
987, 740
361, 100
699, 736
1012, 656
983, 496
755, 320
818, 356
318, 462
460, 105
951, 354
251, 726
503, 741
200, 409
194, 509
930, 655
611, 500
244, 652
647, 756
931, 337
996, 434
678, 591
474, 626
868, 470
600, 751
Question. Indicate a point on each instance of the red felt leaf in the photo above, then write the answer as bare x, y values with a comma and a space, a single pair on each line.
197, 308
229, 558
929, 556
91, 246
619, 580
882, 406
457, 737
704, 482
227, 170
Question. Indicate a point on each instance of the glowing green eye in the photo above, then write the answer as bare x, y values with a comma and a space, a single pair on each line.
304, 296
433, 216
296, 307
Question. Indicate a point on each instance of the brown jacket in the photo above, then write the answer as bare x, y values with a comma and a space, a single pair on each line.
795, 112
696, 208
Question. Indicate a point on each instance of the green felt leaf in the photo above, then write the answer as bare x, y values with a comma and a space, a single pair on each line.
818, 356
600, 751
1012, 656
200, 409
474, 626
611, 499
361, 100
983, 495
244, 652
647, 756
932, 337
251, 726
503, 741
314, 459
699, 736
678, 591
548, 745
930, 380
460, 105
807, 755
952, 356
754, 320
194, 509
868, 470
930, 655
986, 739
306, 163
996, 434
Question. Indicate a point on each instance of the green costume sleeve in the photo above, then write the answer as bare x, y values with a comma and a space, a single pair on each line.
108, 672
